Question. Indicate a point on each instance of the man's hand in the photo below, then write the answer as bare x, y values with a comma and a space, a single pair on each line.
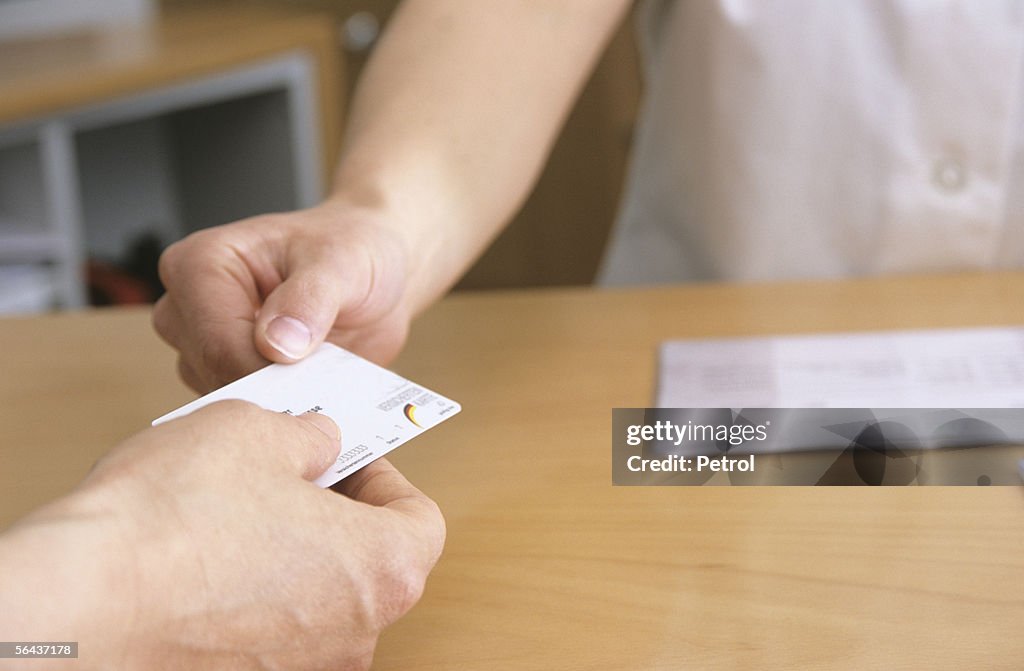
274, 287
202, 544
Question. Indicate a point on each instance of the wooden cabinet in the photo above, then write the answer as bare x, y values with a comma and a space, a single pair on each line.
203, 117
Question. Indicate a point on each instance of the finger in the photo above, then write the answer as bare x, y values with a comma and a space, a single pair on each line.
381, 484
168, 324
190, 377
210, 307
165, 321
299, 312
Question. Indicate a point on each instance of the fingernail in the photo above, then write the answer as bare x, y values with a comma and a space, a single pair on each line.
324, 423
289, 336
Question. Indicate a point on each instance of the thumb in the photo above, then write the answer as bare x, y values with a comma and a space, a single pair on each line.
327, 446
299, 313
305, 445
236, 432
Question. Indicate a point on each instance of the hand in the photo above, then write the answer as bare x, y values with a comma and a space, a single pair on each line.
202, 544
274, 287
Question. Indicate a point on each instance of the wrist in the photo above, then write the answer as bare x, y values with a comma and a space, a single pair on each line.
402, 243
66, 578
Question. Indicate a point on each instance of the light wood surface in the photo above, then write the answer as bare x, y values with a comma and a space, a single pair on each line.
40, 77
547, 565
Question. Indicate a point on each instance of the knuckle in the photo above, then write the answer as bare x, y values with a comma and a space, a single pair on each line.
410, 583
170, 261
194, 248
189, 376
216, 357
437, 533
161, 318
357, 656
363, 659
403, 586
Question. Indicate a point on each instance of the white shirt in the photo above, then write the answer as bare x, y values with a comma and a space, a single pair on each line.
801, 138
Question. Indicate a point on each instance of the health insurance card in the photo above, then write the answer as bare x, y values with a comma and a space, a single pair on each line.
376, 409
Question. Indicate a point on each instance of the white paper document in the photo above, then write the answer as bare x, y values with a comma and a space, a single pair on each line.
940, 368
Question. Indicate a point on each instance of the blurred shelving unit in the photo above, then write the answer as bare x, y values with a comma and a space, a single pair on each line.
199, 117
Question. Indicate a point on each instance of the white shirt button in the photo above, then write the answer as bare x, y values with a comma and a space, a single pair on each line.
949, 175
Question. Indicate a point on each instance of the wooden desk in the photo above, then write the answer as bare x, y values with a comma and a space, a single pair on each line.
550, 567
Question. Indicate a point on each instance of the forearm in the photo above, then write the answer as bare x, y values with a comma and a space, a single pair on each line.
62, 581
455, 115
